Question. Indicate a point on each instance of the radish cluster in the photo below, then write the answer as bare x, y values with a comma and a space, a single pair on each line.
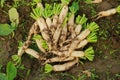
60, 36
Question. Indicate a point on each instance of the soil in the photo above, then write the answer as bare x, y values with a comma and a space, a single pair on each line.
106, 65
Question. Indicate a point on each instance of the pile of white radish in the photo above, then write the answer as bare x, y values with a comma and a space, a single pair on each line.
60, 36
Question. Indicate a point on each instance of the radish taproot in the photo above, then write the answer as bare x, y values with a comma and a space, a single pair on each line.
107, 13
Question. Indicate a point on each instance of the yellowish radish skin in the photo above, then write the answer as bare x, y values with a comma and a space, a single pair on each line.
79, 54
63, 14
40, 5
44, 31
58, 59
78, 29
55, 20
83, 34
82, 43
97, 1
71, 20
65, 66
54, 25
63, 35
20, 51
79, 38
34, 53
106, 13
56, 35
48, 22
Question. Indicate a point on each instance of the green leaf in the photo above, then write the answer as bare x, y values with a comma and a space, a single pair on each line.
65, 2
13, 15
37, 37
74, 8
16, 59
11, 71
48, 68
47, 11
44, 45
88, 1
93, 27
2, 2
92, 37
37, 1
81, 20
37, 13
57, 9
89, 53
5, 29
118, 9
3, 76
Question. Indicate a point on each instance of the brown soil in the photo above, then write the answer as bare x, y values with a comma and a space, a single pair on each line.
106, 64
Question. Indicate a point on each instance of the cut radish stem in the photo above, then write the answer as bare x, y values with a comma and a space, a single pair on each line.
92, 38
88, 53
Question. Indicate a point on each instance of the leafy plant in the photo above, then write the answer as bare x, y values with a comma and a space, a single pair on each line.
11, 72
2, 3
6, 29
48, 68
13, 15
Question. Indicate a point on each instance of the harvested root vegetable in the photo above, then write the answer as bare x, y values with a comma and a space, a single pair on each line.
91, 27
92, 38
88, 53
96, 1
60, 36
58, 59
107, 13
65, 66
34, 54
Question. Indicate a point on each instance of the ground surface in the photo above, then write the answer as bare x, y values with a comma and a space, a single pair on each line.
106, 65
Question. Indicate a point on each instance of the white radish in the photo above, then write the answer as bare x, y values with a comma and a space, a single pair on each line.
58, 59
78, 29
83, 34
63, 14
65, 66
92, 38
105, 13
56, 35
79, 54
20, 51
96, 1
82, 43
34, 53
71, 20
48, 22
